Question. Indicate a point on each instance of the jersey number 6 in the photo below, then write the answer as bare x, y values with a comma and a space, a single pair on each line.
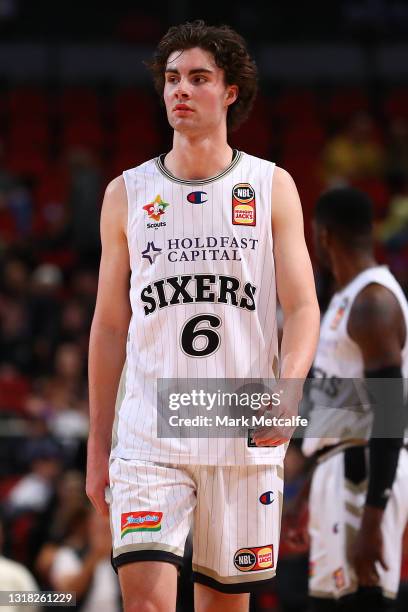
200, 326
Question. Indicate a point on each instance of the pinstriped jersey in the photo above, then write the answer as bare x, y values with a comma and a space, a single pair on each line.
203, 299
339, 360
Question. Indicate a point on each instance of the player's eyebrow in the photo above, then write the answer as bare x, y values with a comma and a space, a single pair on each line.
193, 71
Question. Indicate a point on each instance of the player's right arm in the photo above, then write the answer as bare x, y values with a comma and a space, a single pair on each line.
107, 345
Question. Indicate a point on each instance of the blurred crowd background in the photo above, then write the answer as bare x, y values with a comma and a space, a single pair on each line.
77, 108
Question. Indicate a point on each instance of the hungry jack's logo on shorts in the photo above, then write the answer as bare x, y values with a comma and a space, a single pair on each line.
140, 521
254, 559
243, 205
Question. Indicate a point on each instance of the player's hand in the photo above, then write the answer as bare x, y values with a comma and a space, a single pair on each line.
97, 477
290, 391
368, 550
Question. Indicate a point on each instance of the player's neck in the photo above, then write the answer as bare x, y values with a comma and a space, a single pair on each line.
346, 266
195, 158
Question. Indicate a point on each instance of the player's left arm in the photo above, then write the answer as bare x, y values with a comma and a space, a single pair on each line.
297, 296
376, 324
294, 279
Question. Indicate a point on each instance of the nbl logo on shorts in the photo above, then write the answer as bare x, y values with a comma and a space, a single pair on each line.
243, 205
254, 559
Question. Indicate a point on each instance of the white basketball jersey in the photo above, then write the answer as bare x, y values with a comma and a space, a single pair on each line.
338, 357
201, 257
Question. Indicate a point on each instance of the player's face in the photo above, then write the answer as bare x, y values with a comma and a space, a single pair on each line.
195, 94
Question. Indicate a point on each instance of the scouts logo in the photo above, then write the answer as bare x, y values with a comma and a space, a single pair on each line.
156, 209
140, 521
243, 205
339, 579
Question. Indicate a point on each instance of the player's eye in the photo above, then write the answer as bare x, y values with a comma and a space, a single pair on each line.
199, 79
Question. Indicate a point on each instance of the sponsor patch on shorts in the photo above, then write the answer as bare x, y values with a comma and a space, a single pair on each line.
140, 521
254, 559
338, 577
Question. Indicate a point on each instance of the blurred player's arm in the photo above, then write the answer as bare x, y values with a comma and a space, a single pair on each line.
377, 325
107, 344
294, 279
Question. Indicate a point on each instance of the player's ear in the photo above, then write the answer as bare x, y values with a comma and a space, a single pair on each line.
231, 94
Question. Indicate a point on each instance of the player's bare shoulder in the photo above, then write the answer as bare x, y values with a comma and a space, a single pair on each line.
115, 206
376, 317
285, 197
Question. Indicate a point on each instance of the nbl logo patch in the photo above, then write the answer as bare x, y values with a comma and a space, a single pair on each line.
254, 559
140, 521
243, 205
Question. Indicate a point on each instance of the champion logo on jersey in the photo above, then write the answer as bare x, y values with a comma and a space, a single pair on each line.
140, 521
197, 197
266, 498
339, 314
243, 205
156, 209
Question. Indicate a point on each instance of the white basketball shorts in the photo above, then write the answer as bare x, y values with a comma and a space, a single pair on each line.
235, 513
336, 506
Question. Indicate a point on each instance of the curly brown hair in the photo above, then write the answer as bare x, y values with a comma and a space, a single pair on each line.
230, 53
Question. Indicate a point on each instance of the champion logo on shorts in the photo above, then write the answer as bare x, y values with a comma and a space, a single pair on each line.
254, 559
140, 521
266, 498
243, 205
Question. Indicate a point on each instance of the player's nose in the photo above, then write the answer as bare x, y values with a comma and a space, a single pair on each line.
182, 91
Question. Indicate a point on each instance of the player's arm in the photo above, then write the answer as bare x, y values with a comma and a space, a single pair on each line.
377, 325
294, 279
297, 296
108, 338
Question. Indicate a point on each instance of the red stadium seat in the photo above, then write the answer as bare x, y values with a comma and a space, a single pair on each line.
30, 162
87, 133
130, 103
79, 103
30, 131
347, 102
396, 104
28, 102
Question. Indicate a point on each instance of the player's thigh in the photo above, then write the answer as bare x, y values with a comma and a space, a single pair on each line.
151, 510
237, 527
207, 599
148, 585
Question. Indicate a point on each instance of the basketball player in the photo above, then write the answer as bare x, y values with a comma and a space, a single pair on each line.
209, 234
356, 525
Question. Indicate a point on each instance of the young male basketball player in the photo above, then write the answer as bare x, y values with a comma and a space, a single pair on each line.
209, 235
359, 492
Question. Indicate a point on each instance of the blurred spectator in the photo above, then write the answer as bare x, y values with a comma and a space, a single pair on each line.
34, 490
354, 153
82, 563
45, 309
15, 577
